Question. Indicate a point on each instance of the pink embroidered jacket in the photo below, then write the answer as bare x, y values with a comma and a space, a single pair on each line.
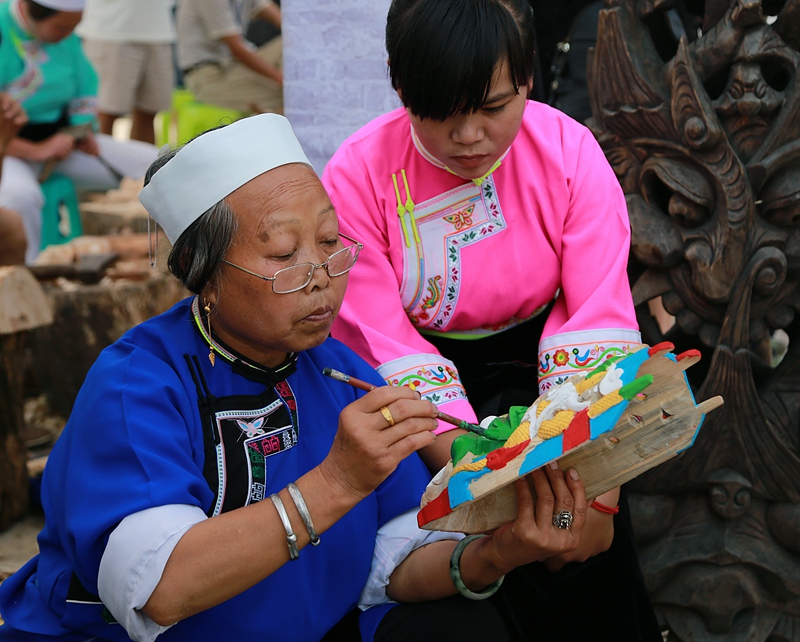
449, 255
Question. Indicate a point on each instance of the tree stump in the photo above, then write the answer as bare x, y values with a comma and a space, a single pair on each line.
23, 306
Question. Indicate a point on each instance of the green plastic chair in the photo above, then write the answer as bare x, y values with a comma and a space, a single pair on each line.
61, 218
167, 132
194, 118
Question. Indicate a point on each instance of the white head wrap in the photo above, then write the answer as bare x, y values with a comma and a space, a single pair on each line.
215, 164
63, 5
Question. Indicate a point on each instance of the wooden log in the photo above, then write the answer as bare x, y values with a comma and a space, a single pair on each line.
23, 307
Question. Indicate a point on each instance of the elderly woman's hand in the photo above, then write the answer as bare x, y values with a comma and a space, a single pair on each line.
375, 433
532, 536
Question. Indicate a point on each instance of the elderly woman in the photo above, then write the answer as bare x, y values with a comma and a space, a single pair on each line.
212, 484
44, 68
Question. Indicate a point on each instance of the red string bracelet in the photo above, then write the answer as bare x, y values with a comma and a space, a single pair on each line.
608, 510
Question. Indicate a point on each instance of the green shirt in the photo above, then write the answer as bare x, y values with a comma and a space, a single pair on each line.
49, 80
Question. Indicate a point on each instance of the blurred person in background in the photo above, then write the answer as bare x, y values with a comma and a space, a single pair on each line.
45, 70
220, 66
130, 45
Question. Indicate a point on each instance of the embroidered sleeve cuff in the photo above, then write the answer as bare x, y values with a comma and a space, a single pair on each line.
395, 540
134, 559
566, 354
435, 378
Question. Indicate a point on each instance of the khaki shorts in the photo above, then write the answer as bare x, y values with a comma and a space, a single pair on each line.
234, 86
132, 75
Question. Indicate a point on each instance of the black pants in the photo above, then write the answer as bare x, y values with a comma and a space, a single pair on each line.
454, 618
601, 600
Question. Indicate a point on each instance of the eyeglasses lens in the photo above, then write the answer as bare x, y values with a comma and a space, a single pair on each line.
299, 276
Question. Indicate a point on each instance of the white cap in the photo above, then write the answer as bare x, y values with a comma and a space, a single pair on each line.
213, 165
63, 5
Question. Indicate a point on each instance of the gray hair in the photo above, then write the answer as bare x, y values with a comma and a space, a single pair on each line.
199, 250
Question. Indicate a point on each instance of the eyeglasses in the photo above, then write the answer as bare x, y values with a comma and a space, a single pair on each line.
292, 279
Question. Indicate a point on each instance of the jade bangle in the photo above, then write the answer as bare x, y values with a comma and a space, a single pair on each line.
455, 572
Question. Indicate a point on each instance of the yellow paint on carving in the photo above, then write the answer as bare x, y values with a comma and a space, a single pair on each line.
542, 405
589, 382
601, 405
556, 425
522, 433
472, 467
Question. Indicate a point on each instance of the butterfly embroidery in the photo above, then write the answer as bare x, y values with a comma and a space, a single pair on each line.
462, 218
252, 428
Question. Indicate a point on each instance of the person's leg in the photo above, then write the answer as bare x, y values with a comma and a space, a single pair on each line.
142, 127
20, 192
452, 618
154, 93
106, 122
129, 158
118, 67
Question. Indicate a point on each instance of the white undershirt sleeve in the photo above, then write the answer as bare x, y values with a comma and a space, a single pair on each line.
134, 559
395, 540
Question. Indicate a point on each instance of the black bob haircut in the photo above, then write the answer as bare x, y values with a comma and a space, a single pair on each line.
443, 53
38, 12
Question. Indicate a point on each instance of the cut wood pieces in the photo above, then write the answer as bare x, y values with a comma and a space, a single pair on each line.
611, 424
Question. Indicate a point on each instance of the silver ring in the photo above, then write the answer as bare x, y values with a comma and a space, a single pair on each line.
563, 519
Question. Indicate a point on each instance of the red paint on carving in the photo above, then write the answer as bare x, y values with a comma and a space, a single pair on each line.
434, 509
578, 430
687, 354
499, 458
664, 346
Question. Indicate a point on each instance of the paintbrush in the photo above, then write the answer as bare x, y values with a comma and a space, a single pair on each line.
363, 385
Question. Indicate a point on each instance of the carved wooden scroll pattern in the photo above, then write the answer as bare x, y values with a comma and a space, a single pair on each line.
702, 126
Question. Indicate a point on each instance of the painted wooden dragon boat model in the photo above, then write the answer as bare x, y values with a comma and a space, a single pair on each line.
611, 424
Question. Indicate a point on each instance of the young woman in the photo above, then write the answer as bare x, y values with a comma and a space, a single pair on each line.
496, 243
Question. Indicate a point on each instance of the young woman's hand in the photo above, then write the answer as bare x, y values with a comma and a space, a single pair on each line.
375, 434
532, 536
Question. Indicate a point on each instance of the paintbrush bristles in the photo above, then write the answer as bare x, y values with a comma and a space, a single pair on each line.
346, 378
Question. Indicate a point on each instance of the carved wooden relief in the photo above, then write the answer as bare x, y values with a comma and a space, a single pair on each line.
697, 105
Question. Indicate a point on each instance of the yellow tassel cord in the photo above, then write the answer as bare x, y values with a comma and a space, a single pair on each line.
589, 382
405, 208
522, 433
556, 425
542, 405
472, 467
601, 405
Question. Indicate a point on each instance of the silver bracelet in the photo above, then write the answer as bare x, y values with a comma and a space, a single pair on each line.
300, 503
291, 538
455, 572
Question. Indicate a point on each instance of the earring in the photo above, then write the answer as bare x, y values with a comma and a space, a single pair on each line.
211, 356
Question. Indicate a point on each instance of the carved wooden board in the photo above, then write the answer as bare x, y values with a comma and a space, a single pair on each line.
625, 441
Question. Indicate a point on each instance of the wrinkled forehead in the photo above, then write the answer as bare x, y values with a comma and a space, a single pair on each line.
285, 198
